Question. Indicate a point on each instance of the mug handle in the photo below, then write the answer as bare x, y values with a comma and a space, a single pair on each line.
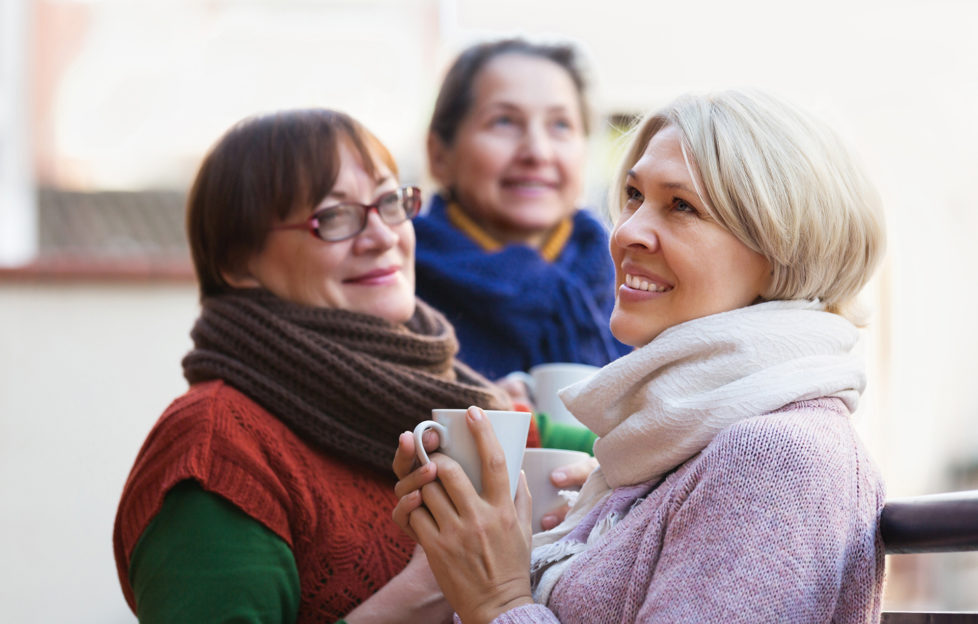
423, 426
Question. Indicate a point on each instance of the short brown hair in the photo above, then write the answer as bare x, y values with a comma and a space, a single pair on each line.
455, 96
259, 171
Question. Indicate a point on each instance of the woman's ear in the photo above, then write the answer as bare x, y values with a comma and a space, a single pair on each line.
240, 278
439, 160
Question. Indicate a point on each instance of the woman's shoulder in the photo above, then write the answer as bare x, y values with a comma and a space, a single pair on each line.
814, 436
214, 434
218, 407
807, 453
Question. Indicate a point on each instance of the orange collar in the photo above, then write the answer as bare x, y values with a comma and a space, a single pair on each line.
550, 250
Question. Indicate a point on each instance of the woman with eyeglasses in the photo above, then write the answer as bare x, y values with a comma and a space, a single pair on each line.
264, 493
733, 486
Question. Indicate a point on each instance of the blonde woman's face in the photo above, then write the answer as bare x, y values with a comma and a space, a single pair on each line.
673, 262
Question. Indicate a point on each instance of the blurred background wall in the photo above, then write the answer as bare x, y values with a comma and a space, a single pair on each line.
107, 106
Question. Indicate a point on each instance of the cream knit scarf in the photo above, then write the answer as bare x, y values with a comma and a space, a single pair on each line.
658, 406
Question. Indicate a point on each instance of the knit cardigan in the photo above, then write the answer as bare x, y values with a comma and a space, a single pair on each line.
333, 513
776, 520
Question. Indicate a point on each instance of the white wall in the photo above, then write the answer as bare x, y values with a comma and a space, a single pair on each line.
85, 371
18, 222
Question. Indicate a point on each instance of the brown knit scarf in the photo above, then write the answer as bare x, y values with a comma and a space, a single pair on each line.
345, 382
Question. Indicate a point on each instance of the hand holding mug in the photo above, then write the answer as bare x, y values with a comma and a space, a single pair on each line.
478, 546
548, 472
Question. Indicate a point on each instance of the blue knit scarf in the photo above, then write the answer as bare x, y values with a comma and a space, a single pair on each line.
511, 308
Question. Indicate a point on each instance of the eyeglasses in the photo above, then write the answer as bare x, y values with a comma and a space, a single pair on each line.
346, 220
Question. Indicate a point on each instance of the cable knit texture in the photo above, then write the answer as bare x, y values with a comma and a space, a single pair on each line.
334, 514
349, 383
732, 486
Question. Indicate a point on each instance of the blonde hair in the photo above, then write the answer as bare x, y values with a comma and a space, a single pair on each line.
783, 184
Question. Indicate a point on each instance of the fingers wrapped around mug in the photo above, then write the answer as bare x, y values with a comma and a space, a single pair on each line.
412, 478
478, 546
406, 457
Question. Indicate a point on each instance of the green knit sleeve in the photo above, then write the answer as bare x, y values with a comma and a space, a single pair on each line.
202, 559
564, 436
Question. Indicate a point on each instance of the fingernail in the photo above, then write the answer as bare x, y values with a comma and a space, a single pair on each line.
475, 413
559, 477
548, 520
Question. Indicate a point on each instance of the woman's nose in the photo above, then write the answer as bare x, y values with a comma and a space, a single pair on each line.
636, 231
536, 143
377, 234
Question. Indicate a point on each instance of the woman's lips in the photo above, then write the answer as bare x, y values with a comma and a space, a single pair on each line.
639, 282
375, 277
640, 285
528, 186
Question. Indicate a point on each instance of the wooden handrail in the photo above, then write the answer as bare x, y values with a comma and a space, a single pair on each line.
932, 523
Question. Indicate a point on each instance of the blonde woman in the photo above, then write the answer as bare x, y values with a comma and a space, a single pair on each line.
732, 486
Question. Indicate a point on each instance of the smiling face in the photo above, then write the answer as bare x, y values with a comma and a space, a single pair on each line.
673, 262
516, 161
371, 273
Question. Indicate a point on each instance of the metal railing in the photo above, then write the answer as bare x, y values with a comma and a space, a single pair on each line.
930, 524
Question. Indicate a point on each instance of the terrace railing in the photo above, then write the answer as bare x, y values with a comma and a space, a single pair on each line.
931, 524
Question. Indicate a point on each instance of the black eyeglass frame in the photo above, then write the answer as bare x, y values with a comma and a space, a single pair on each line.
405, 194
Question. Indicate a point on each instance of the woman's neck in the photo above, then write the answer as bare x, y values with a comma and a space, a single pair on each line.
490, 237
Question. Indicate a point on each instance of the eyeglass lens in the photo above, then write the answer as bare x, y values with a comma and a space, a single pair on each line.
349, 219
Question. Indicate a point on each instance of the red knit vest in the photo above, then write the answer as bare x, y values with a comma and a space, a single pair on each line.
333, 513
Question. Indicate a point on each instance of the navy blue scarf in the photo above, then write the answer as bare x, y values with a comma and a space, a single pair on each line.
511, 308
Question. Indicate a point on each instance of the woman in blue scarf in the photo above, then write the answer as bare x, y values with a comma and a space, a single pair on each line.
522, 273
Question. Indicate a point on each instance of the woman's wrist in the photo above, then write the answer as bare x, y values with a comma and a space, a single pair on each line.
486, 616
407, 597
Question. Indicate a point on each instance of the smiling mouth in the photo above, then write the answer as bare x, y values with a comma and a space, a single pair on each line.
638, 283
528, 184
378, 275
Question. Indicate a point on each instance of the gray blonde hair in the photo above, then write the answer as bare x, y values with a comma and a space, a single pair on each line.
783, 184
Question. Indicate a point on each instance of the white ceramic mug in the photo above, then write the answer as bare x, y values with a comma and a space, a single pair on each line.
538, 463
545, 380
456, 441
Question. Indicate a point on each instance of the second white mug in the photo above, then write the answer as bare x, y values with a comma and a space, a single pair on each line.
545, 380
538, 463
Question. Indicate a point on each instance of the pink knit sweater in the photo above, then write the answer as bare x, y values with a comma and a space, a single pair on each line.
775, 521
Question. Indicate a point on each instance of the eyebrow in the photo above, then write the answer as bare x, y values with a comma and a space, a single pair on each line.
514, 107
669, 185
380, 181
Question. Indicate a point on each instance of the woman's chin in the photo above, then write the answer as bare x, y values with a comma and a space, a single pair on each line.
630, 330
395, 310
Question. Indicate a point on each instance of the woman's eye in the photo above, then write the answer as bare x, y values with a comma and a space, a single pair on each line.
331, 216
632, 194
562, 124
502, 120
680, 205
